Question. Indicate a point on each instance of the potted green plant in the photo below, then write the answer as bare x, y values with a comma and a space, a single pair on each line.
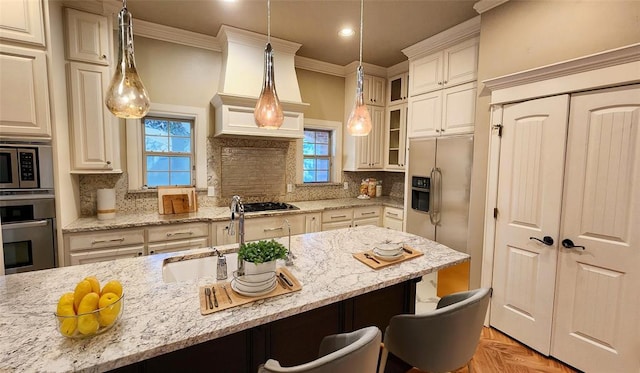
260, 256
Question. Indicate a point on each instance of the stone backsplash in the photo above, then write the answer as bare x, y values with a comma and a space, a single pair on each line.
265, 181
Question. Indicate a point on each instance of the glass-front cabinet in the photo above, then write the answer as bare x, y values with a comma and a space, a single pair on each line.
398, 89
395, 144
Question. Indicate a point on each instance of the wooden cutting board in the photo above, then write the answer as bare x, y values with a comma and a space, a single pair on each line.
385, 263
175, 203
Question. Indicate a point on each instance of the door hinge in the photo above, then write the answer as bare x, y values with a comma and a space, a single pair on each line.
499, 128
495, 212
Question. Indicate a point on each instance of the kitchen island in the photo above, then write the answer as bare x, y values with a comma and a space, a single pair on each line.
161, 319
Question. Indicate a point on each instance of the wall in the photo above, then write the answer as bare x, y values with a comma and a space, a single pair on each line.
521, 35
182, 75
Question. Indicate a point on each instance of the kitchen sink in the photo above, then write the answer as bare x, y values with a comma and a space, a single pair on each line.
192, 267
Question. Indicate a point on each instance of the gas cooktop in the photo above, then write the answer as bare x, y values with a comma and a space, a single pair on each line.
268, 206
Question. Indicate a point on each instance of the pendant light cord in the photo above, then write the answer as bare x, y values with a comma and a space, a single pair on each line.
124, 4
268, 21
361, 22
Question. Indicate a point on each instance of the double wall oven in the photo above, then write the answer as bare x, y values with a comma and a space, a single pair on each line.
27, 209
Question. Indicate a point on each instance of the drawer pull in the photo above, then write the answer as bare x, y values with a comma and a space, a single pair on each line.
273, 229
368, 213
392, 214
338, 216
179, 233
105, 241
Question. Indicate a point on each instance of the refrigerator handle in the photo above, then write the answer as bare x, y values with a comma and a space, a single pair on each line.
438, 190
432, 195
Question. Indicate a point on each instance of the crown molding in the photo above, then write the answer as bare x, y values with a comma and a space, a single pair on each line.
612, 67
319, 66
449, 37
398, 69
485, 5
174, 35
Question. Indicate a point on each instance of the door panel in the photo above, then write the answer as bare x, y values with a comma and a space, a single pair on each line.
597, 320
529, 200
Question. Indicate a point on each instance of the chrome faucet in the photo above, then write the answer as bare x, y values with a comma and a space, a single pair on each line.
238, 207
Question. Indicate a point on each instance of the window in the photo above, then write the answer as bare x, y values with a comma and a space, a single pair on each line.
316, 147
168, 151
157, 150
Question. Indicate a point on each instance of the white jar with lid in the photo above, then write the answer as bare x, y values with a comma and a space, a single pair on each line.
379, 189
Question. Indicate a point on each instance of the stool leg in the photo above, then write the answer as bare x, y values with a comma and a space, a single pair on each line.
383, 359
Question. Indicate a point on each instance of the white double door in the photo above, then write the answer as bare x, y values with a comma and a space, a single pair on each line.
570, 173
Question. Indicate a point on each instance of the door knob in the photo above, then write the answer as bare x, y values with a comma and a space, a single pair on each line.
567, 243
547, 240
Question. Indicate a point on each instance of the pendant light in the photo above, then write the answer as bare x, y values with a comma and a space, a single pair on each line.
359, 123
126, 96
268, 112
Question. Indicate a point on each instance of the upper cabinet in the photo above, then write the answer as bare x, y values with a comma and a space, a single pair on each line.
24, 88
443, 88
449, 67
366, 152
398, 89
373, 88
22, 21
88, 37
93, 128
395, 137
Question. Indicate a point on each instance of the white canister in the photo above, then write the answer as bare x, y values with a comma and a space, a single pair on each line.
106, 204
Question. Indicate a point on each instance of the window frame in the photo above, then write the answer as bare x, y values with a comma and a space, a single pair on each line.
134, 137
168, 154
317, 157
335, 151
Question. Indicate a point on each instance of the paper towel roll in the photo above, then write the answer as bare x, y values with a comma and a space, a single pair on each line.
106, 204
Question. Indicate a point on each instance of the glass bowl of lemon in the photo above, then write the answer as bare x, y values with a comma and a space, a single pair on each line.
89, 310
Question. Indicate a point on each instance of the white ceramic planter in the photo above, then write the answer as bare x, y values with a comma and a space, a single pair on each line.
259, 272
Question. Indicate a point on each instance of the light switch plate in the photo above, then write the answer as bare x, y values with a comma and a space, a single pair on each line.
211, 191
289, 188
346, 185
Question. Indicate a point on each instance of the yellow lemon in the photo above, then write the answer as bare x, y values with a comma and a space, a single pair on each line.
65, 308
113, 286
95, 284
83, 288
88, 323
108, 310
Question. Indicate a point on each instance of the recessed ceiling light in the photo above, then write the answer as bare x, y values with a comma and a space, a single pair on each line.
345, 32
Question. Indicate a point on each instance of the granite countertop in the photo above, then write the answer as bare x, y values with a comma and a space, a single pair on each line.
160, 318
212, 214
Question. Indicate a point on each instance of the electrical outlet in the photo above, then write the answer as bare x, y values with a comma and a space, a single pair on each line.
289, 188
346, 185
211, 191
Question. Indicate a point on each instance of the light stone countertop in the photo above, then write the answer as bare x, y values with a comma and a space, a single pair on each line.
211, 214
159, 318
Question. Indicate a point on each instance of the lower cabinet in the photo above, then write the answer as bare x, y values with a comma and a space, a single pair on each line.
176, 237
104, 255
292, 341
392, 218
273, 226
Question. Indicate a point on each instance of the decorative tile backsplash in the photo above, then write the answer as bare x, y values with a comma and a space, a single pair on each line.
256, 169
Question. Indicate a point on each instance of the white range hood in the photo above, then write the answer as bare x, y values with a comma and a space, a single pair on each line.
241, 82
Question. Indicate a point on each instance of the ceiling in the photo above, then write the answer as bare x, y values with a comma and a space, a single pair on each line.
389, 25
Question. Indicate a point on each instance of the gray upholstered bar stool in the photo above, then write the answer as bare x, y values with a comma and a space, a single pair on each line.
442, 340
357, 351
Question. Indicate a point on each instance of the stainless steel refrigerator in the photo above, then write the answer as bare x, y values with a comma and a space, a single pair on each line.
439, 181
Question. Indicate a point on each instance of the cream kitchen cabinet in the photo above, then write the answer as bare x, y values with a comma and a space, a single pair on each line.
447, 68
273, 226
373, 88
395, 137
91, 123
398, 89
366, 152
88, 37
337, 219
313, 222
176, 237
369, 215
24, 88
392, 218
89, 247
444, 112
22, 21
222, 233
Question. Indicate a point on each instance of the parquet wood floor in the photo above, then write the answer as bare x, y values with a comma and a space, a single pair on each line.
497, 353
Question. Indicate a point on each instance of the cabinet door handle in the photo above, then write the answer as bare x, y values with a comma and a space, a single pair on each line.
391, 214
104, 56
273, 229
171, 234
105, 241
140, 253
568, 244
108, 162
338, 216
368, 213
547, 240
